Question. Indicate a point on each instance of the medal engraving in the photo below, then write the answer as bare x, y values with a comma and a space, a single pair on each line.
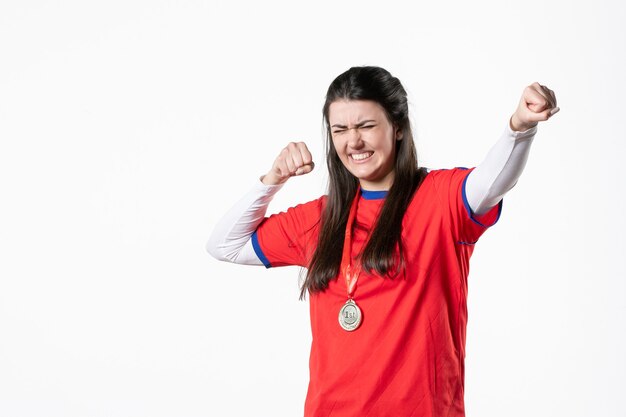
350, 316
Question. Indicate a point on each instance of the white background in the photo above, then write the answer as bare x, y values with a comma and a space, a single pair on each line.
128, 128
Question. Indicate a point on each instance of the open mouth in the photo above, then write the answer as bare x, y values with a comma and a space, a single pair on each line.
359, 157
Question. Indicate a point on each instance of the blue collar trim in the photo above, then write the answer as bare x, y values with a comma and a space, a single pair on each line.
373, 195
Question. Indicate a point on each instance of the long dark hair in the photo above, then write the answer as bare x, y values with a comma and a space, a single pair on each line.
379, 254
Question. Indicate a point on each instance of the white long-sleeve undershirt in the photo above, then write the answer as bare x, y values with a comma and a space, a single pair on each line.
230, 240
499, 172
485, 187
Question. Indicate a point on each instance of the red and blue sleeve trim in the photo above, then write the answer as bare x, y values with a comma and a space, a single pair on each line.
259, 251
472, 215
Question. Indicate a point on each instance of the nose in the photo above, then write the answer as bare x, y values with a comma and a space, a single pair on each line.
354, 138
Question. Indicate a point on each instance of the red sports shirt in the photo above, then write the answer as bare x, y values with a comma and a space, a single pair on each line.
407, 357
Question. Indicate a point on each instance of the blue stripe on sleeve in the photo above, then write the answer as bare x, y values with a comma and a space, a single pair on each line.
259, 251
469, 209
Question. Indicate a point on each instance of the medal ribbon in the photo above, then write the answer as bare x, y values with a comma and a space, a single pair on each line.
351, 274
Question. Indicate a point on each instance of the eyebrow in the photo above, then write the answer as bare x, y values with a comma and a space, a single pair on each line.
357, 125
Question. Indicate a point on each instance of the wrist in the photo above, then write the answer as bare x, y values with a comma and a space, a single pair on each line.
518, 126
271, 179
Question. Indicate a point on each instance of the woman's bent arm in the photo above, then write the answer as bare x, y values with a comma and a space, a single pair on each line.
230, 240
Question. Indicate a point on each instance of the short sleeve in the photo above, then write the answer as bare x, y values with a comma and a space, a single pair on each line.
467, 227
289, 237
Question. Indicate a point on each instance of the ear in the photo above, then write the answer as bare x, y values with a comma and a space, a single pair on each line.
398, 134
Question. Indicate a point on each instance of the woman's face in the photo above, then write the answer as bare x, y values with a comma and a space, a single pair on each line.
365, 141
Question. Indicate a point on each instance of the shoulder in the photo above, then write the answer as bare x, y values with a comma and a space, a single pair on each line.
447, 176
314, 205
438, 172
311, 208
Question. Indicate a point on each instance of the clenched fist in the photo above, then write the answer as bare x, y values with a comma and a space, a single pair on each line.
294, 159
538, 103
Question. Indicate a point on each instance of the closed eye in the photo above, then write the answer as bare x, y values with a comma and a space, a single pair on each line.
358, 127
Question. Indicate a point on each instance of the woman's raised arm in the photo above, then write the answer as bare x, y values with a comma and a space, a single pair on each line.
499, 172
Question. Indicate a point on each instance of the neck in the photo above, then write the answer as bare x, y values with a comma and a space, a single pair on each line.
375, 186
383, 184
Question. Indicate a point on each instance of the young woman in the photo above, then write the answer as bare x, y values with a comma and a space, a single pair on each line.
386, 250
